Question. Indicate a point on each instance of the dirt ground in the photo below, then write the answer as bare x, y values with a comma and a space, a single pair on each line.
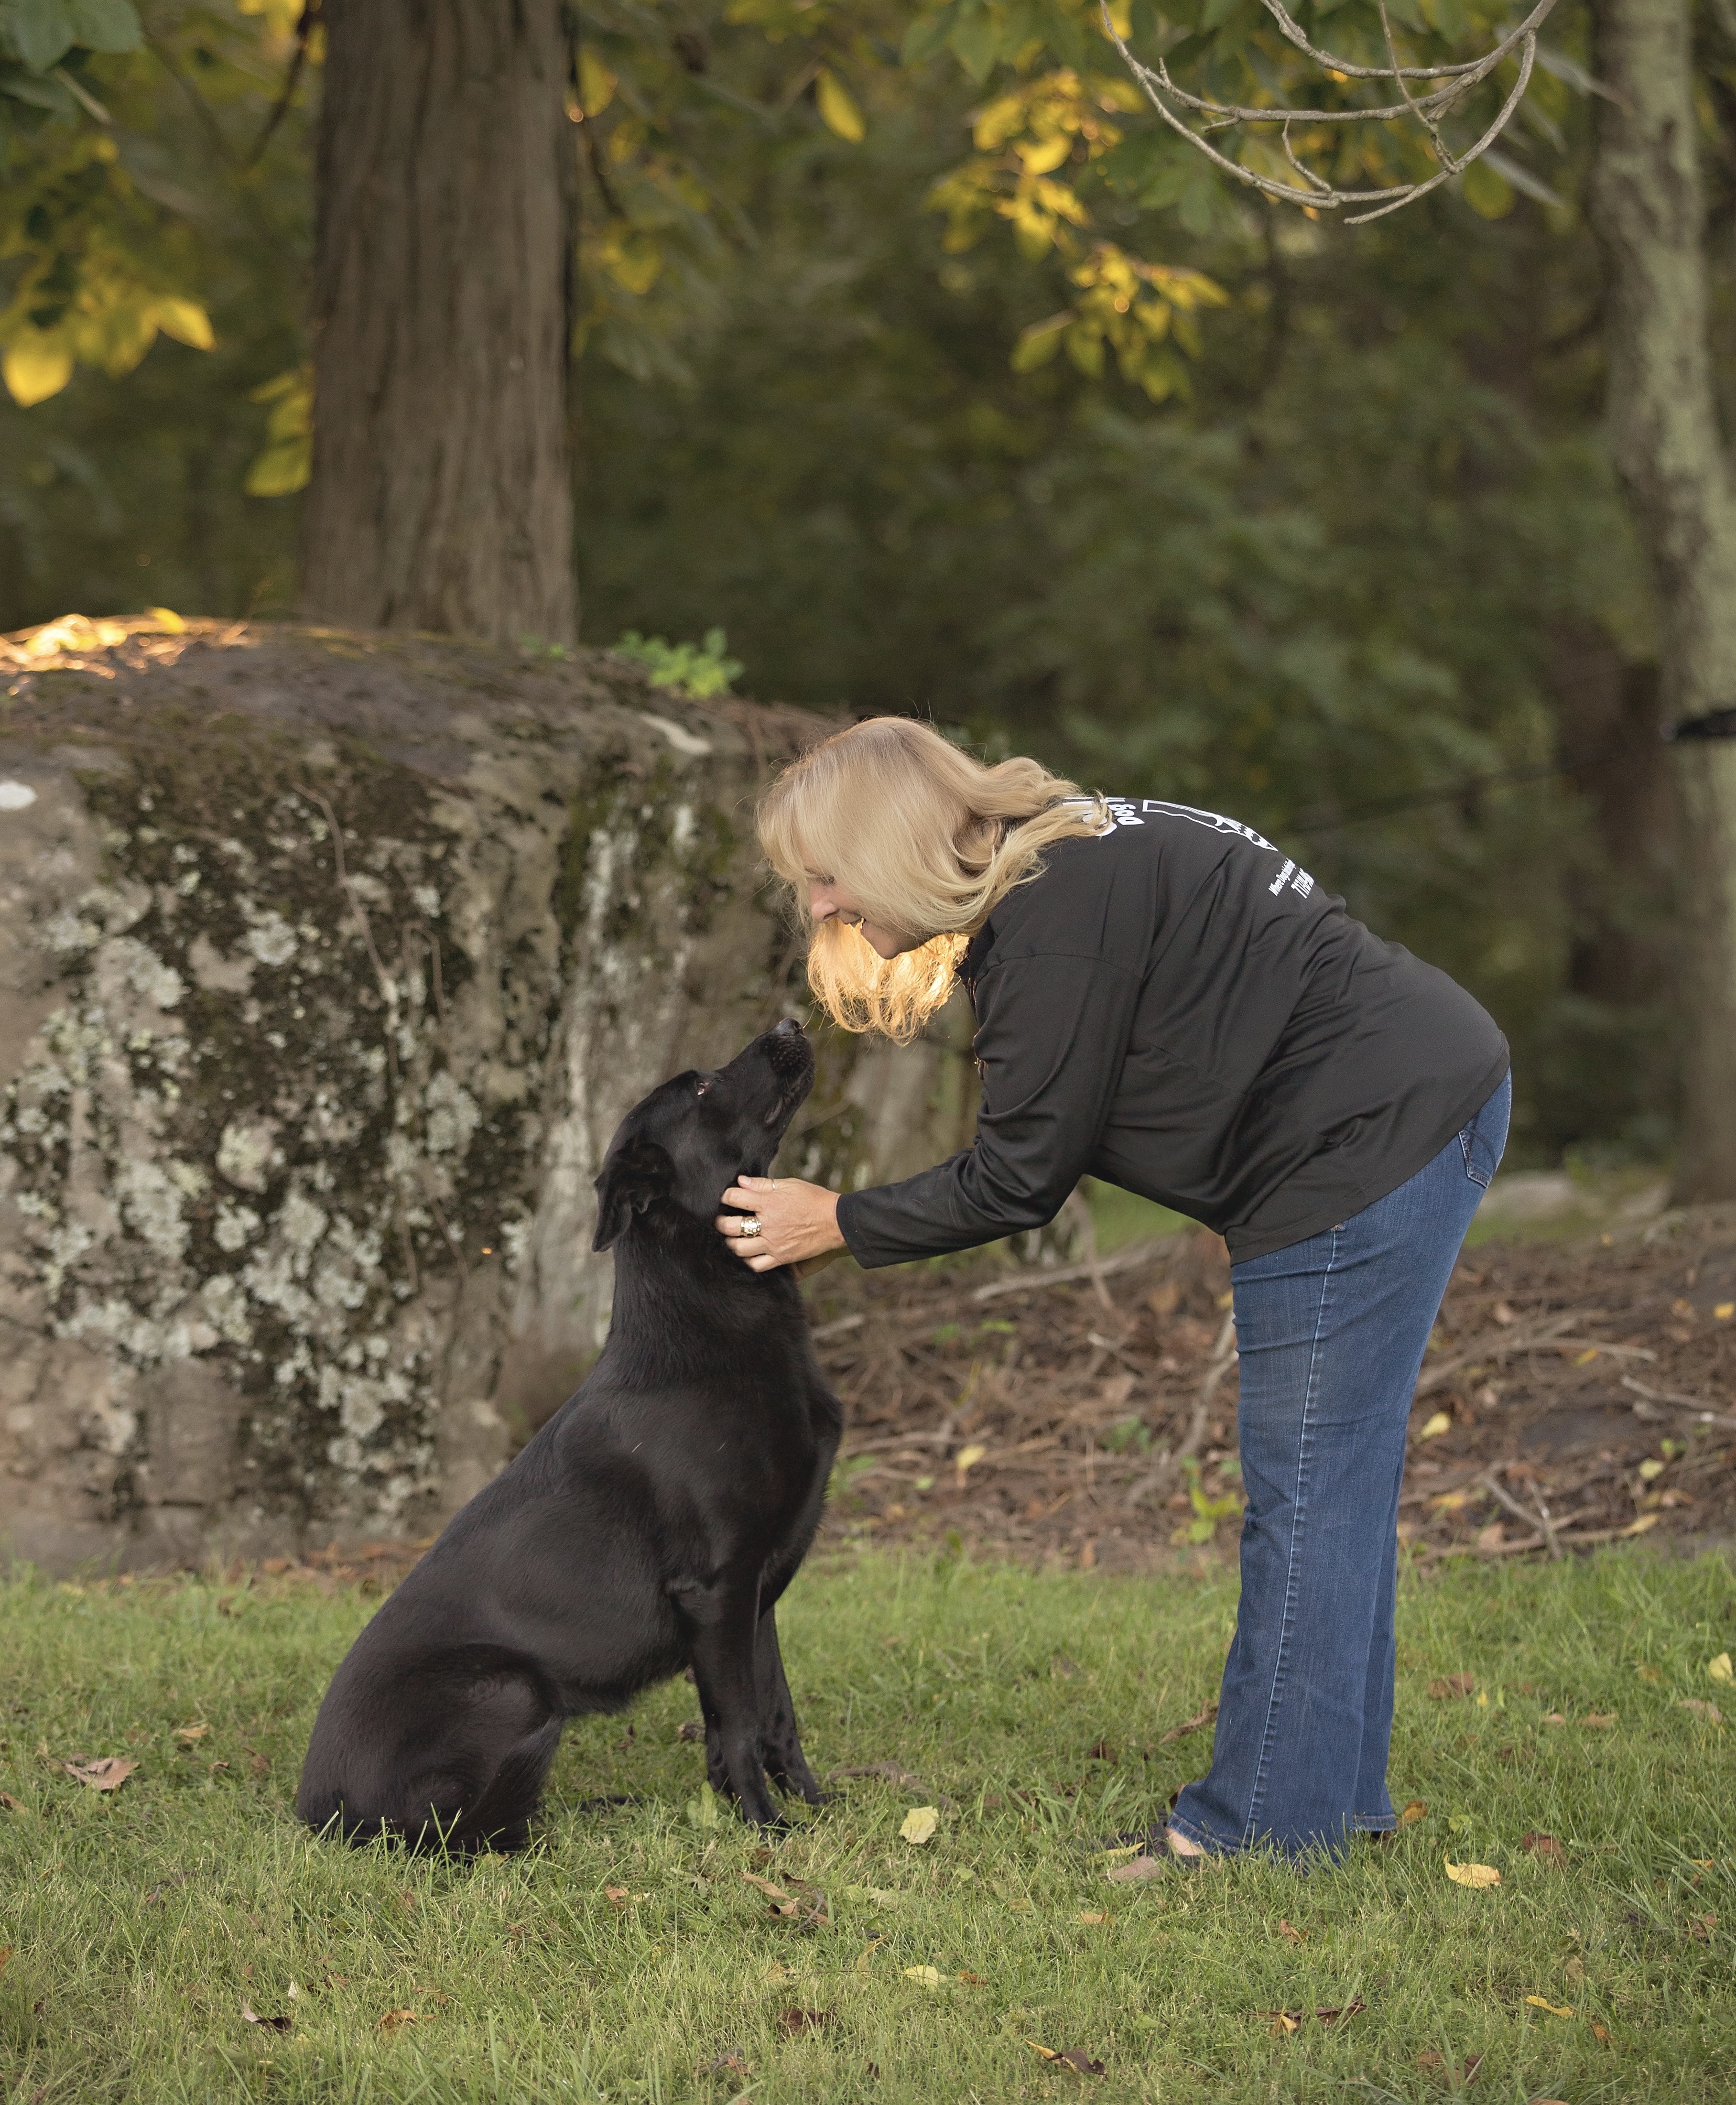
1573, 1393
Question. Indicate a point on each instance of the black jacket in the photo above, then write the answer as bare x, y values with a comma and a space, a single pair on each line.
1175, 1007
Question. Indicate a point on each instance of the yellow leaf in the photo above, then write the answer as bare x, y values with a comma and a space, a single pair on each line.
1720, 1669
920, 1823
33, 369
595, 83
1477, 1876
929, 1976
1416, 1810
167, 620
1640, 1525
1554, 2010
1586, 1358
186, 321
967, 1460
187, 1732
1651, 1468
1724, 1312
1436, 1426
838, 107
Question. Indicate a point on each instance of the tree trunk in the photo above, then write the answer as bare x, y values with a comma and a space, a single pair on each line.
1648, 210
441, 496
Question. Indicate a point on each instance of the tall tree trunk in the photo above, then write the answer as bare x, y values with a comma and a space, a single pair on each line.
441, 497
1649, 211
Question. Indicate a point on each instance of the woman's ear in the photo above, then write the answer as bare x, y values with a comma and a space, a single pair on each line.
636, 1173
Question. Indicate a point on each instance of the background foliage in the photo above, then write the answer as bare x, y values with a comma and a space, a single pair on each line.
1315, 520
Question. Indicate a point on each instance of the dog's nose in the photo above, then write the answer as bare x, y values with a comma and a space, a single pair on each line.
788, 1028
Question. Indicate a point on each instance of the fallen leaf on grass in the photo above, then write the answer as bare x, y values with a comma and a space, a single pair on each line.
10, 1803
271, 2024
1092, 1915
690, 1728
1476, 1875
1429, 2058
1545, 1848
967, 1459
793, 2022
1554, 2010
1139, 1868
1451, 1684
1721, 1670
1191, 1724
771, 1892
1600, 2033
919, 1824
1285, 2021
107, 1774
1599, 1720
1416, 1810
929, 1977
974, 1980
1074, 2058
725, 2064
1708, 1714
6, 1953
1554, 1718
1289, 1930
1434, 1426
189, 1733
1100, 1751
1639, 1526
396, 2020
1702, 1926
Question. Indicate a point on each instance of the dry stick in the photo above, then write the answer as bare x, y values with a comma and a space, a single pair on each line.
1506, 1348
1065, 1275
1223, 1353
1678, 1402
1539, 1519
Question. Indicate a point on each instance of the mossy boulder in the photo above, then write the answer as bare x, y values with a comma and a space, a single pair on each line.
328, 965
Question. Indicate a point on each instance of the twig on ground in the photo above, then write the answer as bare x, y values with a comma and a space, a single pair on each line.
1678, 1402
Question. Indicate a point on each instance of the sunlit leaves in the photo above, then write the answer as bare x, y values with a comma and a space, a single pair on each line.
39, 34
285, 464
838, 108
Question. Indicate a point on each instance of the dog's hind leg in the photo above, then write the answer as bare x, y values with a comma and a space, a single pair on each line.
785, 1763
723, 1621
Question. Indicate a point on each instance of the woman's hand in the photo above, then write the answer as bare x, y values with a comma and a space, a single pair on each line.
798, 1223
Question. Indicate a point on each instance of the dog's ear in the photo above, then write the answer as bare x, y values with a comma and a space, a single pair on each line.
636, 1173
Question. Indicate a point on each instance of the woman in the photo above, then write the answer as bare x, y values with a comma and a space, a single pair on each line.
1167, 1001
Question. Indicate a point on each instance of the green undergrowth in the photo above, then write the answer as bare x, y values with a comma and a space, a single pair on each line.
626, 1956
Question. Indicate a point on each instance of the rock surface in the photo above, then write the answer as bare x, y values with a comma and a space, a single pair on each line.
327, 965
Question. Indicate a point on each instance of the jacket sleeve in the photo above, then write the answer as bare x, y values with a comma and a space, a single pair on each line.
1051, 1040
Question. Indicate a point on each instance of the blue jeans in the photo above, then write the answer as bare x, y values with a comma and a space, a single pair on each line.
1331, 1335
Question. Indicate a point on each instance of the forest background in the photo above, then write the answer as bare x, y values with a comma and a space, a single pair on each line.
1332, 541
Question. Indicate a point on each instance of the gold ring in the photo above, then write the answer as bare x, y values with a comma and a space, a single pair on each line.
752, 1226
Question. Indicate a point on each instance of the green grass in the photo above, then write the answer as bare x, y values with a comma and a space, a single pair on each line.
140, 1922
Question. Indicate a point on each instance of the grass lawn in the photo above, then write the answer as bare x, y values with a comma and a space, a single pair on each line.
627, 1957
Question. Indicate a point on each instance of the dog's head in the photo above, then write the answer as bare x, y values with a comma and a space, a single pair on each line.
693, 1136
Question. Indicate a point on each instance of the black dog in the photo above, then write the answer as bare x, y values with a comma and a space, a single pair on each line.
651, 1526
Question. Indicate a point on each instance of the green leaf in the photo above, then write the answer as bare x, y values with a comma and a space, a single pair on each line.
1490, 195
975, 42
1039, 343
39, 32
928, 34
1216, 13
105, 25
37, 90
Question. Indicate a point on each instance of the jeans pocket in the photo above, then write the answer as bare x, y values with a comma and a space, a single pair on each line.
1479, 1157
1484, 1139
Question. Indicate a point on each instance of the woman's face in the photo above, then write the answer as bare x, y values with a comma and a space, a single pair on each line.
827, 900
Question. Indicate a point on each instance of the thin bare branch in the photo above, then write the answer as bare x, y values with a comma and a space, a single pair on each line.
1428, 110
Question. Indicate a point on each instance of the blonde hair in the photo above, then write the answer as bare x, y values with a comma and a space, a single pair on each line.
928, 840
